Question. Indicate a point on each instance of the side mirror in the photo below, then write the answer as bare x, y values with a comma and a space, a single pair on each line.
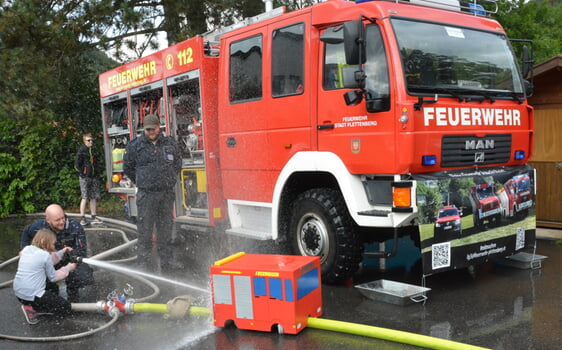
353, 97
527, 62
354, 42
529, 89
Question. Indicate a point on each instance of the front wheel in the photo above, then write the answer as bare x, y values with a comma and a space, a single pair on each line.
320, 225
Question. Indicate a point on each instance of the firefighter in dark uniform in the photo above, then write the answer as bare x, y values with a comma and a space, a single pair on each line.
69, 234
153, 162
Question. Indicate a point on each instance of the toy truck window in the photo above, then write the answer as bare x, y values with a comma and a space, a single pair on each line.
288, 290
287, 61
260, 286
246, 69
456, 60
275, 288
307, 283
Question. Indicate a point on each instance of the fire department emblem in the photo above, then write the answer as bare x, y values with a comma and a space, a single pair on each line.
355, 145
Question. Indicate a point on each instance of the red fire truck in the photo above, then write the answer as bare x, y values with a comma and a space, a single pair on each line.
316, 126
516, 197
485, 204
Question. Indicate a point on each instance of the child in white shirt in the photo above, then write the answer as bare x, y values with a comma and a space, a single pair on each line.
35, 267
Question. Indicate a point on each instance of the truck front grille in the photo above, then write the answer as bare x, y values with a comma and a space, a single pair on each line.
469, 150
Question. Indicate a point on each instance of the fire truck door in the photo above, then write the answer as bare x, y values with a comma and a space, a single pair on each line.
362, 139
288, 109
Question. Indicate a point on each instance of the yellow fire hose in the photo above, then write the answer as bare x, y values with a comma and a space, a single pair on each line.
388, 334
180, 306
164, 309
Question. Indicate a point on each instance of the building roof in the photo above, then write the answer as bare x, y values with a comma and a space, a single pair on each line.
554, 63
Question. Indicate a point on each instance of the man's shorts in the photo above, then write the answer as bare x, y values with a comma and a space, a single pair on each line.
90, 188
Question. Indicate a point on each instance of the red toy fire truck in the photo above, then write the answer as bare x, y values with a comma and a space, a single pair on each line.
318, 126
263, 292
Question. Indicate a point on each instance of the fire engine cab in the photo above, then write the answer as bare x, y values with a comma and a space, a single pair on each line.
319, 126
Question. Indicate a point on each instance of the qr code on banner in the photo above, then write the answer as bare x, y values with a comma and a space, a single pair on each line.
520, 238
441, 255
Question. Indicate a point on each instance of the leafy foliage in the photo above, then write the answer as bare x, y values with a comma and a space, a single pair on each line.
536, 21
49, 98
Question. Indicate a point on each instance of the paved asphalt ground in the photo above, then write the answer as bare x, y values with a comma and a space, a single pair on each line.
493, 306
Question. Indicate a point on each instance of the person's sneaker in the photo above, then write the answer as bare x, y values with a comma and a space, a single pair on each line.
30, 314
96, 220
83, 222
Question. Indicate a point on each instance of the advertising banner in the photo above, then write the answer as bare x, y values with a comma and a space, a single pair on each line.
469, 217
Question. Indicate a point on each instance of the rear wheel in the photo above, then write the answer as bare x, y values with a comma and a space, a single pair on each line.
521, 214
476, 219
320, 225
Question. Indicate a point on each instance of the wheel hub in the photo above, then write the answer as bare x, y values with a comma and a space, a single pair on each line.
313, 239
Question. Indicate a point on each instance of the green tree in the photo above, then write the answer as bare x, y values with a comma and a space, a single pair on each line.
432, 200
536, 21
49, 98
50, 60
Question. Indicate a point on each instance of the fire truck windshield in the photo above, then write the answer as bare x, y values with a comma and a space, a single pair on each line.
456, 61
484, 193
524, 184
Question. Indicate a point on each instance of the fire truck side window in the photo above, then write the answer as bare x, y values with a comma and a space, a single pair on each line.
287, 61
246, 69
339, 75
335, 69
376, 66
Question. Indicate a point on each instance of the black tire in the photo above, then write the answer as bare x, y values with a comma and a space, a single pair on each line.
520, 215
476, 219
320, 225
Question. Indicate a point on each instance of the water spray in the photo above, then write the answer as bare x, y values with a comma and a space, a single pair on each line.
128, 270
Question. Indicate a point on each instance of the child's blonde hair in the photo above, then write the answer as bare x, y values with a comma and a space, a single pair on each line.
44, 238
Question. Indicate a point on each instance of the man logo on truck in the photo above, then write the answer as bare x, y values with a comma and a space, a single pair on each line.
479, 144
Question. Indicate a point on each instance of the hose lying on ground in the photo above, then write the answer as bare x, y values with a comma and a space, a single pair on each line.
388, 334
82, 306
313, 322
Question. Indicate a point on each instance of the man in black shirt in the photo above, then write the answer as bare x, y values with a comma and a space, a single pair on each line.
153, 162
86, 165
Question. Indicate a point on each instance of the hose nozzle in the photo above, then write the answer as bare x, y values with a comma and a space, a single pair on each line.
72, 258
